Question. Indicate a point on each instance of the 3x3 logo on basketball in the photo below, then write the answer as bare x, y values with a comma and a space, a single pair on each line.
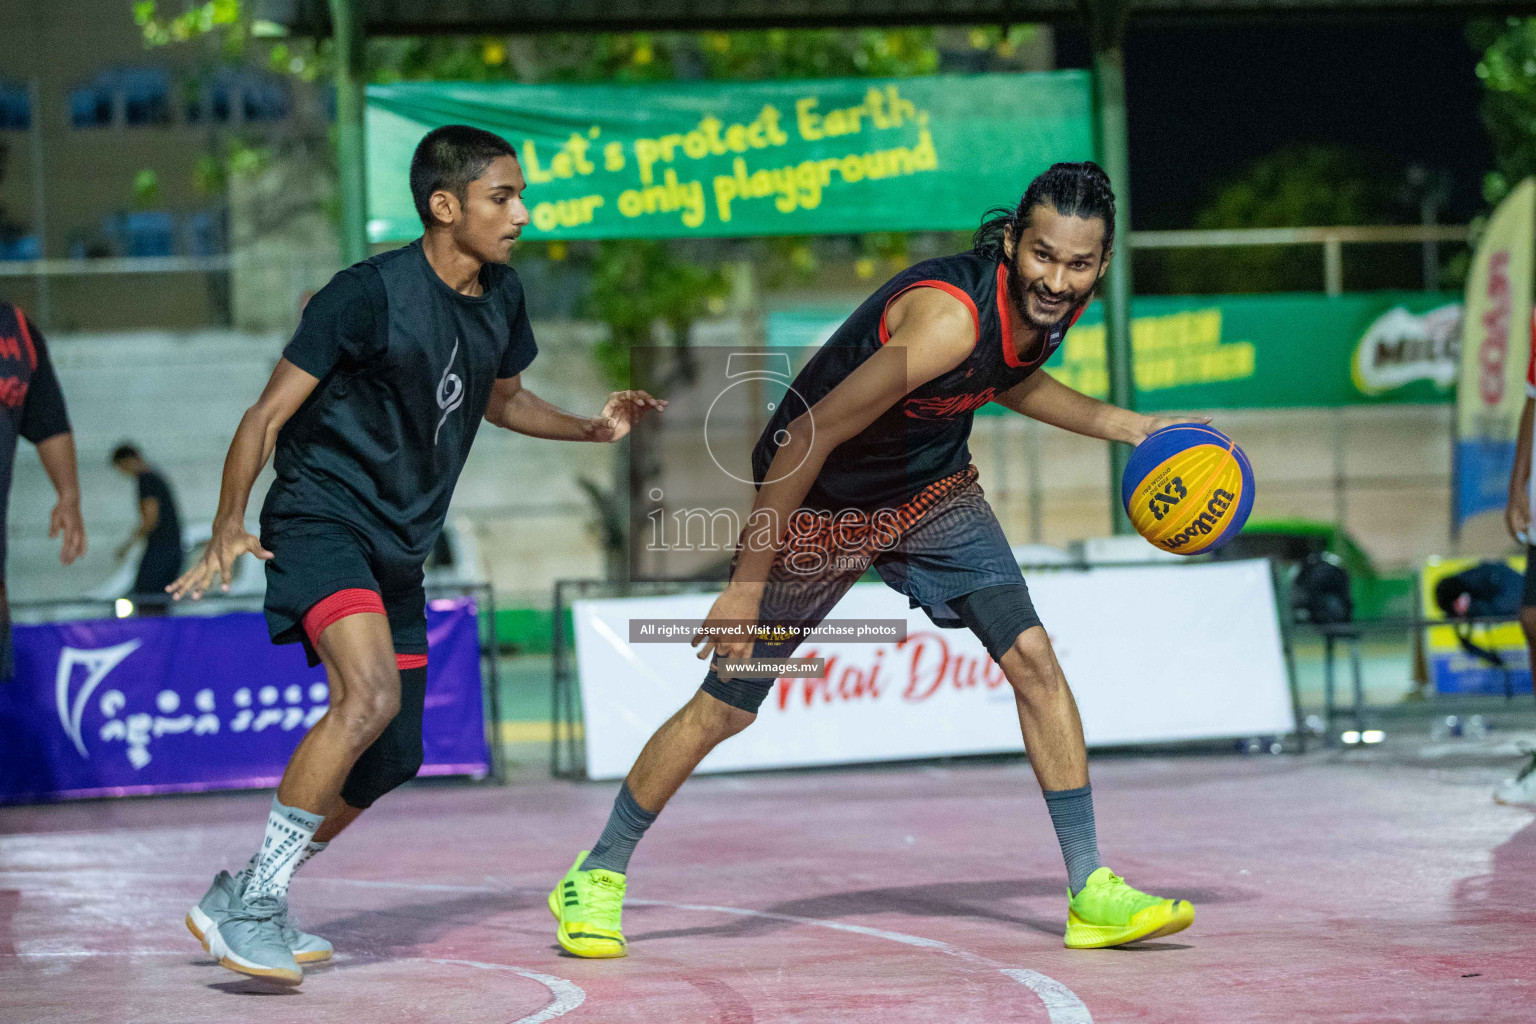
1161, 503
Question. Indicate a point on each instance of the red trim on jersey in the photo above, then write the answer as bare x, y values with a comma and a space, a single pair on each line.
26, 335
954, 290
405, 661
1011, 357
330, 610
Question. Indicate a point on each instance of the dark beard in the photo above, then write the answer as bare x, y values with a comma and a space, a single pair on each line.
1018, 298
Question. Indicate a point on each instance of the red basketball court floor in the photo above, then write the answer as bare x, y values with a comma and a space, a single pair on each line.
1331, 887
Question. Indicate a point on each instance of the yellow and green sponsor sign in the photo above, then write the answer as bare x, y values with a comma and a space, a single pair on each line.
701, 159
1248, 351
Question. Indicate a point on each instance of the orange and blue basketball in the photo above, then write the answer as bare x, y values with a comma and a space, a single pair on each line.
1188, 488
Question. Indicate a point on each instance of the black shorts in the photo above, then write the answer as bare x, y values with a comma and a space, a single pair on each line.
315, 559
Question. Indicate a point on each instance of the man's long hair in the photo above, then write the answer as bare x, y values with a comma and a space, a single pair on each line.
1072, 190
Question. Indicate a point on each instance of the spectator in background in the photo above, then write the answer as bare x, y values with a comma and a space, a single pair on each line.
32, 406
159, 527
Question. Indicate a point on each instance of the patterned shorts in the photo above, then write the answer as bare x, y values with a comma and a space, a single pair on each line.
943, 543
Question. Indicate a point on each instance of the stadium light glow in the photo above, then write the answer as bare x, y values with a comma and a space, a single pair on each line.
123, 607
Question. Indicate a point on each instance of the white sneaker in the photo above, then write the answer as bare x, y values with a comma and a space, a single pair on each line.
1520, 790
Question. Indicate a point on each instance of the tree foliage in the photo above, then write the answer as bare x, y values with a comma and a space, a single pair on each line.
1296, 186
1508, 73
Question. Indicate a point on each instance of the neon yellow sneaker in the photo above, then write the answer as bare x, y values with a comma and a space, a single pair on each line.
1107, 912
588, 906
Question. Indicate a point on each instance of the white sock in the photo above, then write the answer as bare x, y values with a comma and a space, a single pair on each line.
310, 849
289, 833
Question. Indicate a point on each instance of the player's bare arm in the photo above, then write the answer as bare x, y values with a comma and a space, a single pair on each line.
1517, 515
1044, 398
931, 333
149, 518
515, 408
254, 441
57, 454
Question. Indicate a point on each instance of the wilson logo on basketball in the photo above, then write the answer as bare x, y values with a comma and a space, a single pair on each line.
1215, 511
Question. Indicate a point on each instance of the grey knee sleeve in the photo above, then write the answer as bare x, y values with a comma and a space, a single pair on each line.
395, 757
997, 615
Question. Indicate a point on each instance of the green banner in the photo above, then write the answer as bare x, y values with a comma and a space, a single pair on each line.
745, 158
1248, 351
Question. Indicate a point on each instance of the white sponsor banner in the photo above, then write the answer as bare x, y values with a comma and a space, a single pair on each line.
1154, 654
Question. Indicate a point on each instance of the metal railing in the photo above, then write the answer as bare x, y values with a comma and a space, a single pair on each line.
1331, 239
1353, 633
117, 265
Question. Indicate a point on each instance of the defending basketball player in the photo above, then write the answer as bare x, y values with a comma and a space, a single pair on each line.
878, 471
371, 413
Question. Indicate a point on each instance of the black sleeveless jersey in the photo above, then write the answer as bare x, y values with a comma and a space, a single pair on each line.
31, 404
922, 438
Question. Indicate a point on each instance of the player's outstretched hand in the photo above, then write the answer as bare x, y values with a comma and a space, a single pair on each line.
66, 519
218, 562
622, 411
1151, 424
736, 605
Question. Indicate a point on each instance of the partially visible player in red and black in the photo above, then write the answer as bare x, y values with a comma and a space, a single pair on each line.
865, 463
32, 406
371, 414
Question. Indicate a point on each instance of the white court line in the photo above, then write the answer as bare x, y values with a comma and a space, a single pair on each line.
1061, 1004
568, 995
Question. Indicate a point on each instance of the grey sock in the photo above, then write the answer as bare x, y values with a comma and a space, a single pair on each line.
626, 824
1072, 814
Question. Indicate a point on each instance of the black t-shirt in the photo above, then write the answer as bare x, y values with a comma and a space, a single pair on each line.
31, 402
406, 366
164, 542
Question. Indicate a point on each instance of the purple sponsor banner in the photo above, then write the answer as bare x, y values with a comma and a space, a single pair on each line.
119, 707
